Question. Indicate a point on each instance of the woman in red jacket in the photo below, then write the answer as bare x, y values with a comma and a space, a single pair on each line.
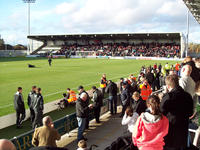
151, 127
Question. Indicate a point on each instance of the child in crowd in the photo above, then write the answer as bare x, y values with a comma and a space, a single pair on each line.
151, 127
130, 118
82, 145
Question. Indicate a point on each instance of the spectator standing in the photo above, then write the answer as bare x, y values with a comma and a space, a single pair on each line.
82, 111
125, 98
120, 84
195, 74
150, 77
19, 107
81, 90
186, 82
31, 97
103, 84
177, 68
167, 68
38, 106
138, 104
177, 105
98, 102
145, 90
111, 89
151, 127
160, 67
46, 135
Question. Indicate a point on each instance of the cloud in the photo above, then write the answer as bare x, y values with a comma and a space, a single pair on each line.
104, 16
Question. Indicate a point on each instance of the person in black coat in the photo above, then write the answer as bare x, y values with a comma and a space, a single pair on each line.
81, 90
111, 89
98, 102
82, 111
19, 107
150, 77
177, 106
195, 71
30, 99
38, 107
125, 98
138, 104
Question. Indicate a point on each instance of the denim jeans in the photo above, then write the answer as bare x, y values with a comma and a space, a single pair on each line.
81, 127
113, 100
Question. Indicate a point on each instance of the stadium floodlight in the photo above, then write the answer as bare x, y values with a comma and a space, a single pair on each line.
28, 27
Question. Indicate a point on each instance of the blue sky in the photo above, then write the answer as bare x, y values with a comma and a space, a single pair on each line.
94, 16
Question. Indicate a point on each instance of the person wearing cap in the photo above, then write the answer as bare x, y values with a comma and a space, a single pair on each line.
87, 101
98, 102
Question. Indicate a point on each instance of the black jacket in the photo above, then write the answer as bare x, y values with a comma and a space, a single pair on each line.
38, 103
150, 78
125, 97
177, 106
139, 106
82, 108
111, 89
98, 98
30, 99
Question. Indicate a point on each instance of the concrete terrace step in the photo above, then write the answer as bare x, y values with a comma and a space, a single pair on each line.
102, 134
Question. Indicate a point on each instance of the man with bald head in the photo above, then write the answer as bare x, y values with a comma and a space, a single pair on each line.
46, 135
186, 81
82, 111
6, 145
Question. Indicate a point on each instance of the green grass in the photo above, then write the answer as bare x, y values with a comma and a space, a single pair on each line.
62, 74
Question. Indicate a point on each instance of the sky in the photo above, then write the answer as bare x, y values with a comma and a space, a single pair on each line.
94, 16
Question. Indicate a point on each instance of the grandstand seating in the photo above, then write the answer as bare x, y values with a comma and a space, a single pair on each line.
125, 49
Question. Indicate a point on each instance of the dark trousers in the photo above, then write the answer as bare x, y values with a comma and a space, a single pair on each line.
113, 100
124, 108
38, 119
20, 115
97, 111
87, 123
32, 115
103, 91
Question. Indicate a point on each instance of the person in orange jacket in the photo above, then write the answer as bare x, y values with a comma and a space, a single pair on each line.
103, 84
145, 90
71, 96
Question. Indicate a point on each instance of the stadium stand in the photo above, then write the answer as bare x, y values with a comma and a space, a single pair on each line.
125, 49
138, 44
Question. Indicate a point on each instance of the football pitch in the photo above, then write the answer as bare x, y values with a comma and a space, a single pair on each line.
64, 73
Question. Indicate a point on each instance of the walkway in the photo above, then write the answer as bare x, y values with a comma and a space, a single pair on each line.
102, 134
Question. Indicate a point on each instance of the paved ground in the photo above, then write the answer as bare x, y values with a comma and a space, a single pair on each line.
102, 134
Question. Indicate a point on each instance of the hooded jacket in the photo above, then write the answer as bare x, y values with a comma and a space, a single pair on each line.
149, 131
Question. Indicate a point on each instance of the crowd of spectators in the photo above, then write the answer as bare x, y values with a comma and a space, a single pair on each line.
124, 49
